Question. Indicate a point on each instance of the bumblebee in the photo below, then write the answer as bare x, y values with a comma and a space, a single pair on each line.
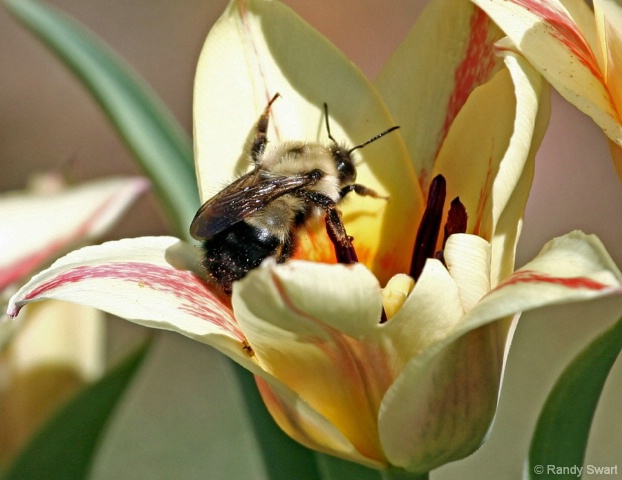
259, 215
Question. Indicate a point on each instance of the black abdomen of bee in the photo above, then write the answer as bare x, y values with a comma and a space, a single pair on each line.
232, 253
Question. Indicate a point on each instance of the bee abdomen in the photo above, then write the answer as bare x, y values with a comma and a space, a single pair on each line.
232, 253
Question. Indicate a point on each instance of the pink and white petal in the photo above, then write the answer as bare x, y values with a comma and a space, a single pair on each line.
441, 406
570, 268
139, 280
477, 143
574, 267
546, 34
37, 227
583, 16
322, 320
495, 137
259, 48
425, 87
429, 314
308, 427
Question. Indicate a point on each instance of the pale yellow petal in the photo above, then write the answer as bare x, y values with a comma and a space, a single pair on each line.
440, 408
313, 327
468, 261
448, 52
259, 48
513, 183
430, 313
476, 143
304, 424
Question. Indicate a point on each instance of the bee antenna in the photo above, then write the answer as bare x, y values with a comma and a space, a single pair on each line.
373, 139
327, 124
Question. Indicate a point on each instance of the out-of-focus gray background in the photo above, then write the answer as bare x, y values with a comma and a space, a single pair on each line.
47, 120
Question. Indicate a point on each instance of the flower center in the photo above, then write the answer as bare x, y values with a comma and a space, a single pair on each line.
430, 226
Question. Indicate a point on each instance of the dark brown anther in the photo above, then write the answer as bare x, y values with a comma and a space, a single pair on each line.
456, 223
456, 220
429, 228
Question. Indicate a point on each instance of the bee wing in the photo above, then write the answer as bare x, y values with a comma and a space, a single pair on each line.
242, 198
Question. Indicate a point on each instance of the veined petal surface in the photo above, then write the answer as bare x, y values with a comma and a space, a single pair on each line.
145, 280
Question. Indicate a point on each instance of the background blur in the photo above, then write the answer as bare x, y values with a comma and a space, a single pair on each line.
47, 121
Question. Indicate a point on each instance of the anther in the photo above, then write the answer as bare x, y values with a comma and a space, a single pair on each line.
429, 228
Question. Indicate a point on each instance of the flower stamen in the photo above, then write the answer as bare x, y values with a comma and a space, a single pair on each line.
427, 235
456, 223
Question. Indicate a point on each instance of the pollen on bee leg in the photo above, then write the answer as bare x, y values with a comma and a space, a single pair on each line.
395, 293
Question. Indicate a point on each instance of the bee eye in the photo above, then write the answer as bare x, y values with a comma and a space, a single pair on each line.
345, 165
347, 172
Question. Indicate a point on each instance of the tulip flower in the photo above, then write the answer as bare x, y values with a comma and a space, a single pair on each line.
361, 361
56, 347
579, 51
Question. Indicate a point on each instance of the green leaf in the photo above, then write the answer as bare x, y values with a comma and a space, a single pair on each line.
333, 468
64, 448
148, 129
564, 424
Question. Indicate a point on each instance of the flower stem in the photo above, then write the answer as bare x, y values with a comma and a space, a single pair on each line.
399, 474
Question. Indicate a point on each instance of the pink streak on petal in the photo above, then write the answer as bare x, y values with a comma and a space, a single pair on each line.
475, 68
195, 296
529, 276
26, 265
565, 30
23, 266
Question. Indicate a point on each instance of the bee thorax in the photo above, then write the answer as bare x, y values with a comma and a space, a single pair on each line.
277, 218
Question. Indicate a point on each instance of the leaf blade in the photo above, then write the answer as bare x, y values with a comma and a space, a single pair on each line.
144, 124
563, 427
65, 446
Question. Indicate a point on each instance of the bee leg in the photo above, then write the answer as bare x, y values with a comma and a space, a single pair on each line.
342, 242
361, 190
261, 138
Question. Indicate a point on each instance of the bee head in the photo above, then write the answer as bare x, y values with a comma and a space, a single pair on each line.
343, 156
344, 163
